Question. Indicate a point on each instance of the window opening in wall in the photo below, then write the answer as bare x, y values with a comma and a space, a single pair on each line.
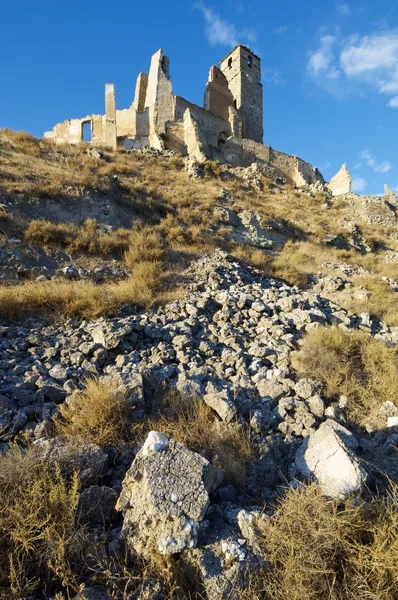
87, 131
250, 61
230, 62
222, 138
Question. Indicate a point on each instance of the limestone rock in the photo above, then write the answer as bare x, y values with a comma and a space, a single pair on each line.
326, 458
165, 496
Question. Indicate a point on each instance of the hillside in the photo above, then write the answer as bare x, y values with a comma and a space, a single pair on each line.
198, 394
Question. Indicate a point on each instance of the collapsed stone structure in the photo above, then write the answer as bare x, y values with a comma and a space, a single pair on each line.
229, 127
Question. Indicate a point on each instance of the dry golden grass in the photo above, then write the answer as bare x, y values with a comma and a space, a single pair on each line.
353, 364
177, 212
381, 302
192, 423
81, 298
88, 238
37, 525
100, 414
252, 256
44, 233
319, 550
146, 245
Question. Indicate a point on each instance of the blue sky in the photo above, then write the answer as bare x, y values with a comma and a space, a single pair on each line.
330, 68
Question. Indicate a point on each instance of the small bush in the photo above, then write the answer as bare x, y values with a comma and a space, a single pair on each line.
319, 550
37, 526
146, 245
192, 423
251, 256
381, 303
44, 233
354, 364
212, 168
100, 414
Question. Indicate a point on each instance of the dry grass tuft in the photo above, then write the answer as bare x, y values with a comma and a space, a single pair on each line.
83, 298
353, 364
252, 256
192, 423
100, 414
381, 303
87, 239
146, 245
319, 550
44, 233
37, 525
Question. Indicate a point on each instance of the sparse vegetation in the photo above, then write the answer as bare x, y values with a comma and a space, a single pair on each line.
320, 550
381, 301
37, 526
192, 423
82, 298
100, 414
354, 364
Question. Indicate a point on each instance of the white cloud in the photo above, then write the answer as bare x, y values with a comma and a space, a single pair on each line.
369, 61
280, 30
382, 167
222, 32
343, 9
393, 102
218, 31
320, 60
358, 185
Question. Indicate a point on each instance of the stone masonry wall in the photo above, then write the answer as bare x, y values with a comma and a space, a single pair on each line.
242, 70
218, 96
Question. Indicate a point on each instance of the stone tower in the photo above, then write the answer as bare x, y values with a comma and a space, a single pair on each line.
243, 72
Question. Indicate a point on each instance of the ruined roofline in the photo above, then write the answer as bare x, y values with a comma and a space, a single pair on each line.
244, 48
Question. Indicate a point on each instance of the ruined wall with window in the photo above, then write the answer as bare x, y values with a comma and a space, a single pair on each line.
228, 128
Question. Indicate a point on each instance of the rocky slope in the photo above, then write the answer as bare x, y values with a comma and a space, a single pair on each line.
229, 341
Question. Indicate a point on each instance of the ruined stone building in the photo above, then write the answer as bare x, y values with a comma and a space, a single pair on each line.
228, 128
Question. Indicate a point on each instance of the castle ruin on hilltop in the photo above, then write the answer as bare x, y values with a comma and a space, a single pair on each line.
228, 128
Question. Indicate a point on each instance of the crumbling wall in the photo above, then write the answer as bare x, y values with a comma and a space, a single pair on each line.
110, 115
218, 96
377, 211
210, 126
140, 92
243, 153
175, 137
159, 98
284, 162
389, 194
305, 174
192, 137
340, 183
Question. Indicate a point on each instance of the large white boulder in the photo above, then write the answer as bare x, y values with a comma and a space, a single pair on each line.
325, 457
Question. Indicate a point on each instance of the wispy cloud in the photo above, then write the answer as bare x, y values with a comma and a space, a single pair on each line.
369, 61
272, 77
280, 30
358, 184
393, 102
219, 31
343, 8
324, 167
321, 61
379, 167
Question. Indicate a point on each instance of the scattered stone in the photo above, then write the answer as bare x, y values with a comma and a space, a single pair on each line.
325, 457
165, 496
